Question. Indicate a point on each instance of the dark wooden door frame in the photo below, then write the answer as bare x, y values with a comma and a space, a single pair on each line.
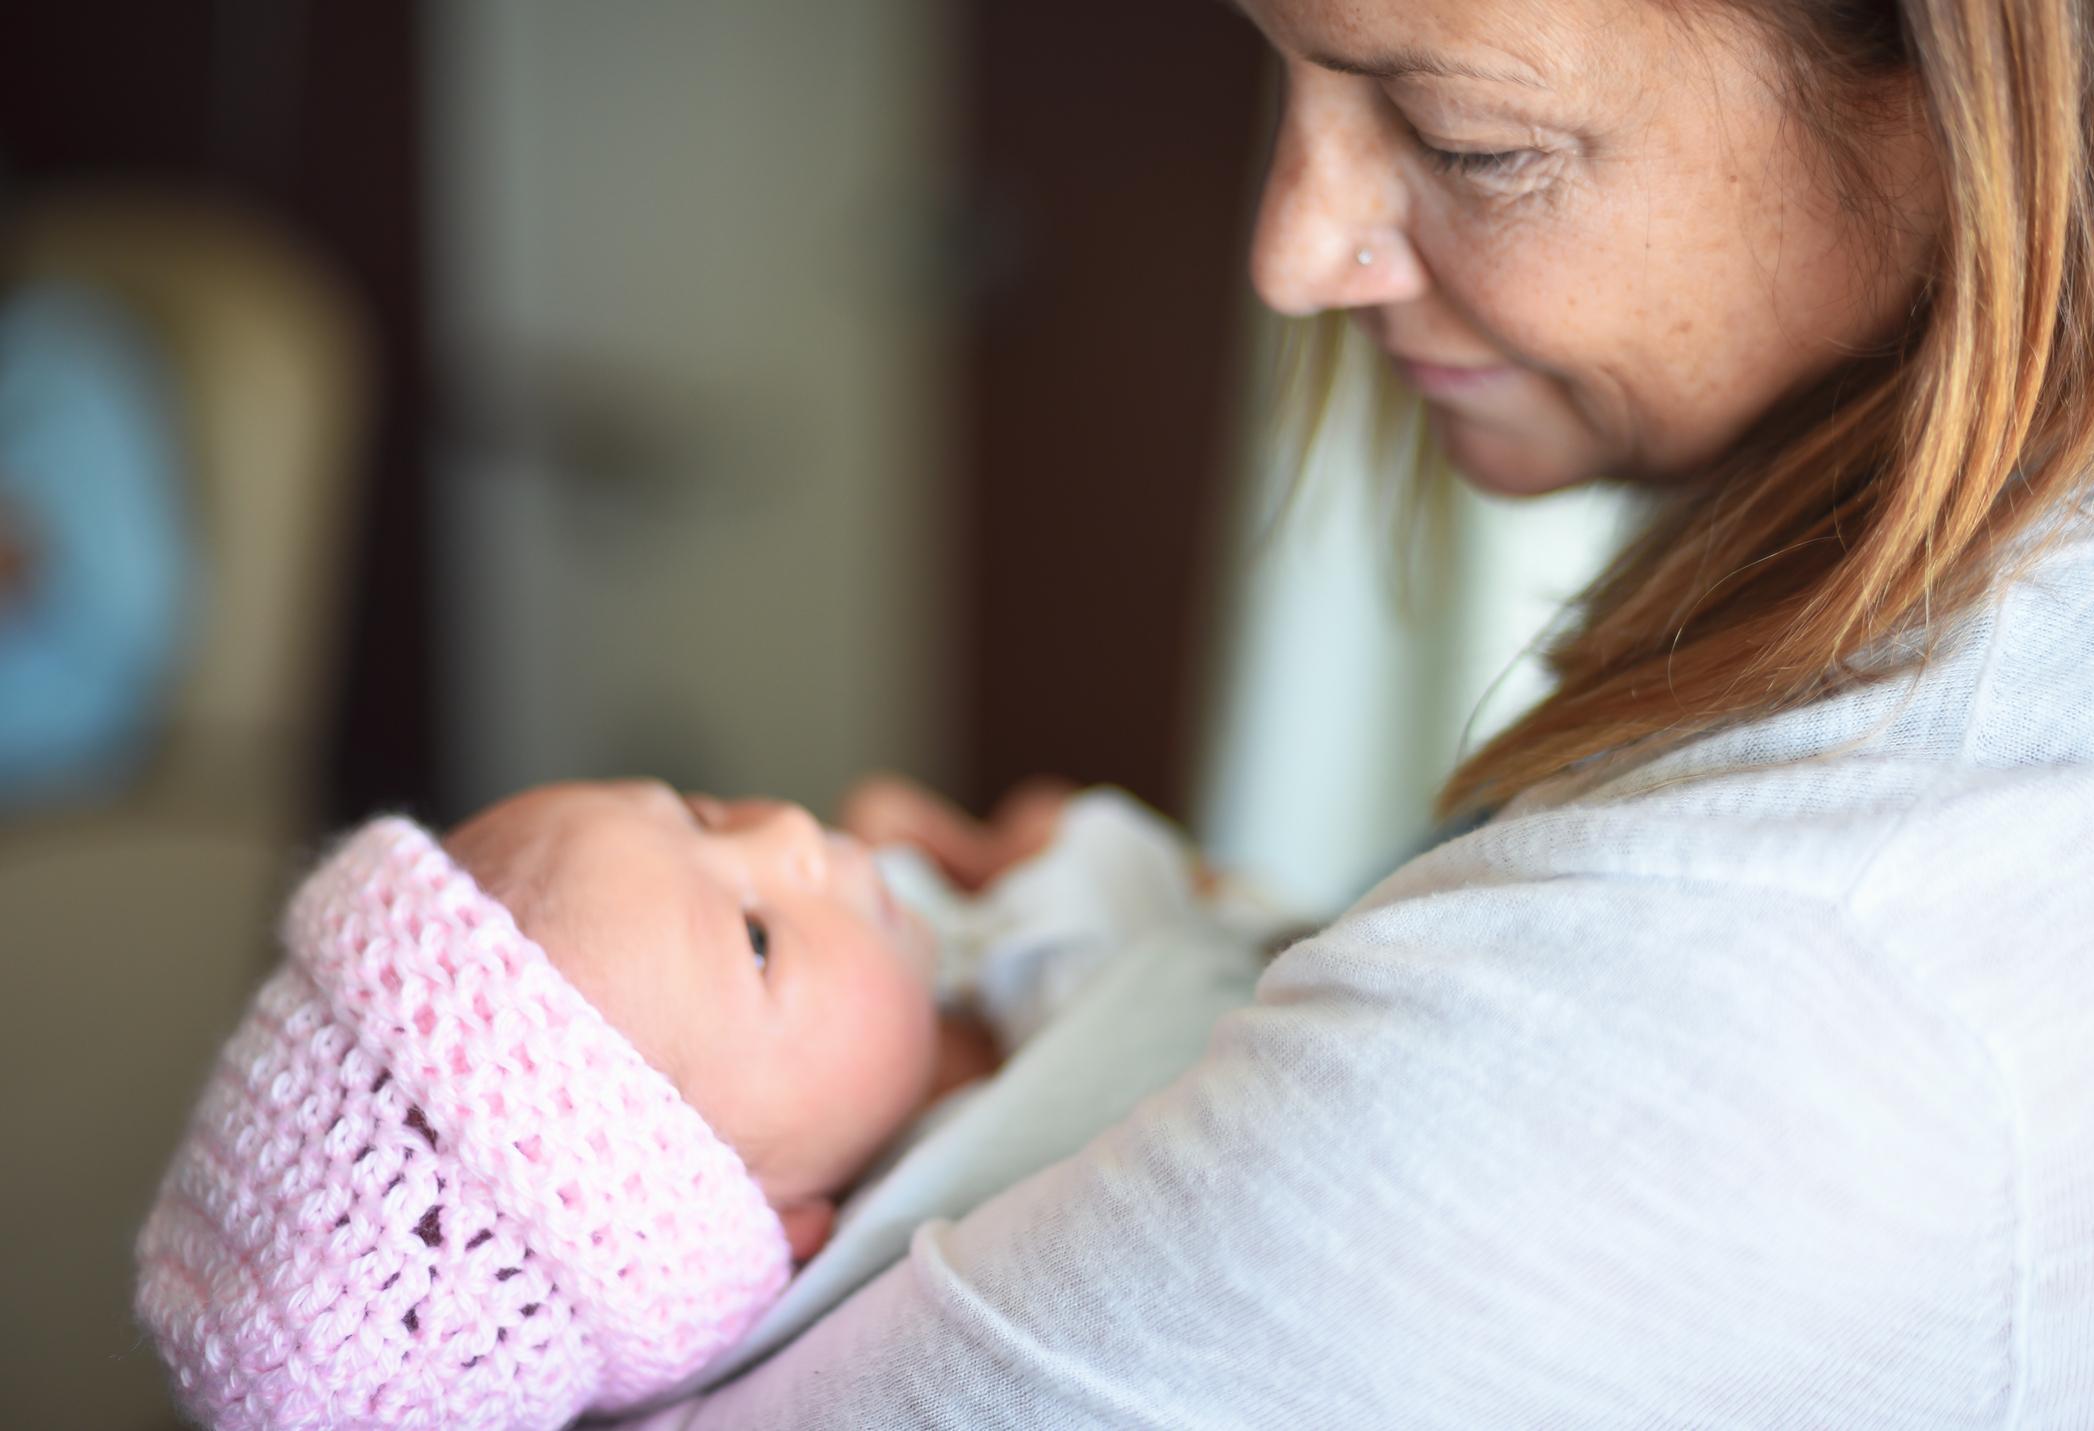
1112, 147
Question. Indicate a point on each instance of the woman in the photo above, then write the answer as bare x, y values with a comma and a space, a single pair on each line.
1733, 1072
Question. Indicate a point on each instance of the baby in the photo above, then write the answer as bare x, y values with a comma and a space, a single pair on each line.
536, 1120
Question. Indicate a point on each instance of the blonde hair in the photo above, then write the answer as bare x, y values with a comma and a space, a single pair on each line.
1883, 499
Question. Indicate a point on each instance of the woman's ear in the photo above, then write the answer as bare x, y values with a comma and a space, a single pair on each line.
807, 1226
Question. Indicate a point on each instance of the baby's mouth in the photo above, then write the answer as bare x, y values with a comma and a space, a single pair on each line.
848, 852
911, 933
908, 933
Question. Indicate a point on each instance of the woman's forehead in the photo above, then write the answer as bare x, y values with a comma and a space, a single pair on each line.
1532, 44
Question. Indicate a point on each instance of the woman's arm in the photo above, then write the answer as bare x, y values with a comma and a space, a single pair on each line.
1581, 1152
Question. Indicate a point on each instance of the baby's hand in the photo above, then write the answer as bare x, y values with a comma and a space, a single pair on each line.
892, 809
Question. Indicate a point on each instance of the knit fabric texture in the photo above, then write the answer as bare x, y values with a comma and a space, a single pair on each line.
429, 1185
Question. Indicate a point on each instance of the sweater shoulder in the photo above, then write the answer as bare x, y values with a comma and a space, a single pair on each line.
1575, 1079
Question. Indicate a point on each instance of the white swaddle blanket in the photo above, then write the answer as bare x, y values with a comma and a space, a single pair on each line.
1101, 969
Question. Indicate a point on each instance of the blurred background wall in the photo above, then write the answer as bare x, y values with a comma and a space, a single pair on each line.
402, 403
697, 357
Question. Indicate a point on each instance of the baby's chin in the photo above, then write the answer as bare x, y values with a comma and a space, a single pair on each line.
907, 933
919, 946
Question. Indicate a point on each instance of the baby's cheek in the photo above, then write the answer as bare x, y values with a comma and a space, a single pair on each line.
911, 1036
862, 1076
896, 1046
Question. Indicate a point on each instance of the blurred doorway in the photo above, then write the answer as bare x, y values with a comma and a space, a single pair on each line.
1112, 155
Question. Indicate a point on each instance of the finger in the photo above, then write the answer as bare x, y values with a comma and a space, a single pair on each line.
889, 809
1032, 796
881, 808
1028, 817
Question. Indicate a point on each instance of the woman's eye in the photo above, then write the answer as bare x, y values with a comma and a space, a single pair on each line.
1448, 161
759, 939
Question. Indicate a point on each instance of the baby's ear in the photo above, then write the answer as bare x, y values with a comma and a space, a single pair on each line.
807, 1226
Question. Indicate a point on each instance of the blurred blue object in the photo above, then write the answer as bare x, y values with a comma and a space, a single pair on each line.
92, 491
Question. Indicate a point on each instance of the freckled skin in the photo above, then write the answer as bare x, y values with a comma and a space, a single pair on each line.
1661, 262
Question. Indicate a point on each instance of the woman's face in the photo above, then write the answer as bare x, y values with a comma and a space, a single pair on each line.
1590, 232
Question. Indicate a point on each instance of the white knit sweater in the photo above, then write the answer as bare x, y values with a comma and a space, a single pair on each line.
1750, 1086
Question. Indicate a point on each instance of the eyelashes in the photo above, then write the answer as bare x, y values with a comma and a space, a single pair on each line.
1472, 164
1447, 161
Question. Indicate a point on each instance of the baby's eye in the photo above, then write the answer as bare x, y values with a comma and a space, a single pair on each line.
759, 939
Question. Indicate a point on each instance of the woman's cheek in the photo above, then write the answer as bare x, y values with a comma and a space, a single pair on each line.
1533, 313
1538, 265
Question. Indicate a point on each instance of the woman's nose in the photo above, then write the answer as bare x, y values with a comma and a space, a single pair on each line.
1332, 223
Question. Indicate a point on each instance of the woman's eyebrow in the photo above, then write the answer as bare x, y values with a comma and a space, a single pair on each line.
1406, 62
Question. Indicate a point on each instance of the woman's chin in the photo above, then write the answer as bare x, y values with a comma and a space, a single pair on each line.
1505, 462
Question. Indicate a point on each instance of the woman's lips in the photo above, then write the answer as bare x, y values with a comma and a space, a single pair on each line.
1445, 380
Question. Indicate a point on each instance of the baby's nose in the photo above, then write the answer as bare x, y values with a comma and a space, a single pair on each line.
793, 837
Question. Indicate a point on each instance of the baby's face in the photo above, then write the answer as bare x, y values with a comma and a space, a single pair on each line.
750, 955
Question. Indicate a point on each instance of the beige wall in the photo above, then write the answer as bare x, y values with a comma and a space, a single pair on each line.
691, 510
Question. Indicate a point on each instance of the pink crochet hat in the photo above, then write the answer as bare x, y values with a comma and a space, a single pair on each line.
429, 1185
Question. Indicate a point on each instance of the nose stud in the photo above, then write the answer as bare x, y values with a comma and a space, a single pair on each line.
1365, 257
